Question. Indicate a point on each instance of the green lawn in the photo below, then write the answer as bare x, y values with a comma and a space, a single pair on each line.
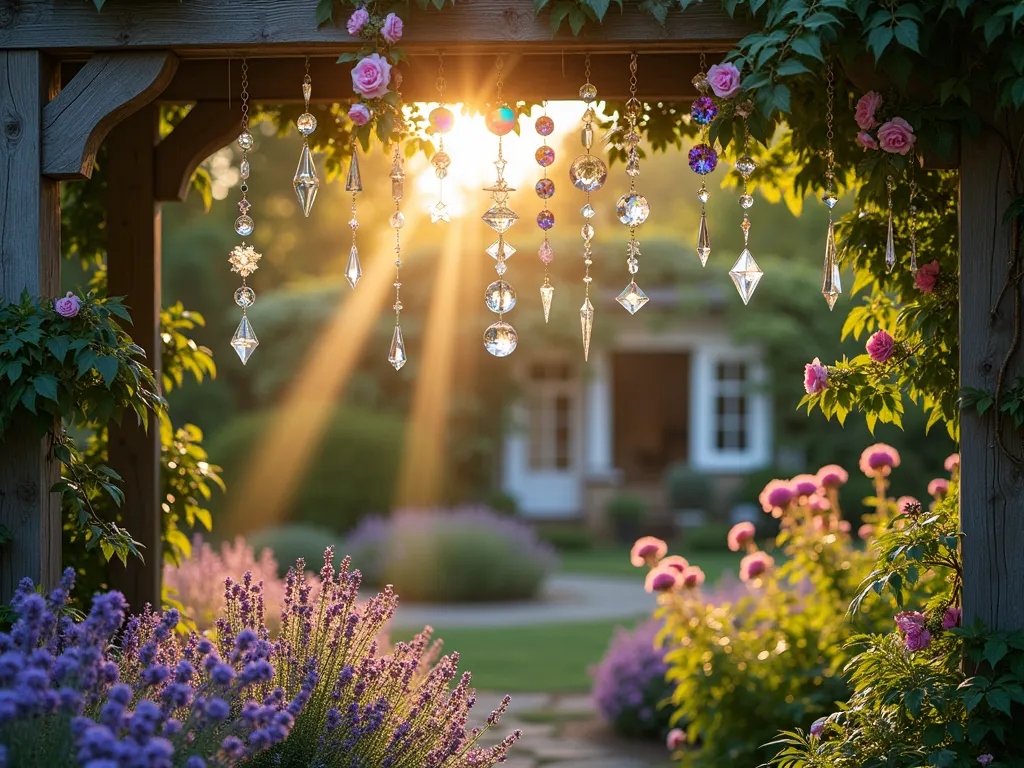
614, 561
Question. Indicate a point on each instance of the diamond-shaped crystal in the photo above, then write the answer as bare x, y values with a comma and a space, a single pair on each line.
703, 240
746, 274
244, 341
439, 212
831, 285
353, 270
547, 292
500, 218
500, 246
396, 355
500, 268
632, 297
588, 211
703, 195
587, 325
354, 181
830, 198
305, 182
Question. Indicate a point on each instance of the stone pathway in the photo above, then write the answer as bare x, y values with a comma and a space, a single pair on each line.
566, 598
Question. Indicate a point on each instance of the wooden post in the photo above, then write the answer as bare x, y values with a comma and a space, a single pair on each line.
133, 271
992, 485
29, 261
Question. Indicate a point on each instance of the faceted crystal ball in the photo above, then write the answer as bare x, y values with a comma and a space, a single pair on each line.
545, 126
244, 225
545, 156
306, 123
588, 172
501, 120
500, 339
440, 161
588, 93
746, 165
545, 188
500, 296
632, 209
703, 159
545, 219
441, 119
245, 297
245, 140
703, 110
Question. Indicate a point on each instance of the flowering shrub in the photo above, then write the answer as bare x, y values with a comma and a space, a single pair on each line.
465, 554
629, 683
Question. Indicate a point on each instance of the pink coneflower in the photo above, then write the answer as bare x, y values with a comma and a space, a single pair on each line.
951, 617
740, 535
676, 739
878, 460
693, 577
938, 488
818, 726
818, 503
647, 551
908, 505
661, 579
866, 531
952, 462
804, 485
675, 562
776, 497
832, 476
755, 564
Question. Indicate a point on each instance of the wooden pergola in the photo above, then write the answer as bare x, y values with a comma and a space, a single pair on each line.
72, 78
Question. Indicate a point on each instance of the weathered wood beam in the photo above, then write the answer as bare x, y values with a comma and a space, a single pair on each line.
29, 261
104, 92
992, 486
470, 78
209, 126
259, 27
133, 271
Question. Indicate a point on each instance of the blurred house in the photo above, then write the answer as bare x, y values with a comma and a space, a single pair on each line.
650, 398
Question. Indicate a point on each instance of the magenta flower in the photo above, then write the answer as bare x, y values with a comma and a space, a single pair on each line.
985, 759
912, 624
951, 617
359, 114
675, 562
917, 641
866, 531
661, 579
755, 564
693, 577
371, 76
952, 462
740, 535
357, 21
647, 551
878, 460
68, 306
818, 726
392, 29
927, 276
815, 377
724, 79
880, 346
776, 497
867, 140
676, 739
938, 488
896, 136
804, 485
832, 476
908, 505
866, 108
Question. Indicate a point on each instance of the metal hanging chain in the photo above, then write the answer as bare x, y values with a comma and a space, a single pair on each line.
913, 216
499, 64
586, 69
245, 95
829, 133
703, 63
440, 83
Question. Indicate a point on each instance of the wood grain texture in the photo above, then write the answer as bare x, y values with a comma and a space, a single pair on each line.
133, 271
29, 261
205, 129
202, 27
992, 491
104, 92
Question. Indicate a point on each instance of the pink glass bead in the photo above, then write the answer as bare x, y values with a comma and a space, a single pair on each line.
441, 119
545, 156
545, 188
545, 125
545, 219
546, 254
501, 120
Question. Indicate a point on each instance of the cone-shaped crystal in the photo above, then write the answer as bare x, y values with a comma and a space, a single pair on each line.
353, 270
890, 247
587, 324
354, 182
396, 356
244, 341
306, 183
703, 240
831, 286
547, 292
746, 275
632, 297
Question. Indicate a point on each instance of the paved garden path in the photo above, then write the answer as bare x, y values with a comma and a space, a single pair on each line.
567, 598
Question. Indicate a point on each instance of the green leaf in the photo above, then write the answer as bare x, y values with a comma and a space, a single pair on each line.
14, 371
808, 45
878, 40
46, 386
107, 367
791, 67
324, 12
347, 57
906, 35
995, 650
600, 8
86, 360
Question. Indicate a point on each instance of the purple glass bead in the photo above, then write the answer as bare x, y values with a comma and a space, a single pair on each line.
545, 156
703, 159
703, 110
545, 188
545, 125
545, 219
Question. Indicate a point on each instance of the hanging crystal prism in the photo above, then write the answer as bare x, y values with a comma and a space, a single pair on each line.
545, 189
353, 270
746, 274
306, 182
702, 158
353, 181
547, 292
890, 242
396, 355
632, 297
587, 325
913, 219
831, 286
244, 341
587, 172
703, 235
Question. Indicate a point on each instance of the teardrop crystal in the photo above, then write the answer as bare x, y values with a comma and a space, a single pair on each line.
354, 182
306, 182
831, 286
587, 324
353, 270
703, 240
890, 246
244, 341
547, 292
746, 274
396, 356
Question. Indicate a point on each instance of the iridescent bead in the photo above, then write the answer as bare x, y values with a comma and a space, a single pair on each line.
243, 169
440, 160
703, 159
703, 110
746, 201
632, 209
501, 120
545, 156
545, 253
245, 297
545, 219
306, 123
441, 119
700, 82
746, 165
244, 225
588, 93
245, 140
397, 220
588, 173
545, 126
545, 188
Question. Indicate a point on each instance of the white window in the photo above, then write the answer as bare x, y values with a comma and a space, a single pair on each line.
551, 406
732, 406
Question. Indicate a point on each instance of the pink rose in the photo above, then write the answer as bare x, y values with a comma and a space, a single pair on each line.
724, 79
357, 21
740, 535
371, 76
951, 617
926, 277
359, 114
867, 140
866, 108
917, 641
392, 29
815, 377
909, 621
880, 346
68, 306
676, 739
896, 137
